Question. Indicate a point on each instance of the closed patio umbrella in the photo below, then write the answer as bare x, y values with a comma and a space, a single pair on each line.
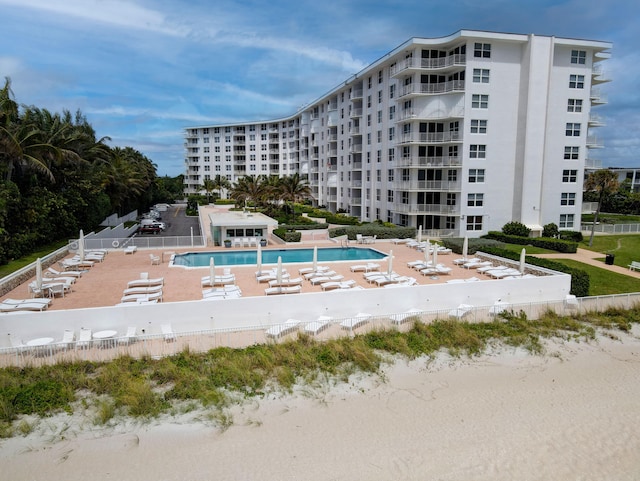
465, 247
279, 271
259, 257
427, 253
435, 254
81, 245
419, 238
212, 270
315, 258
523, 255
39, 273
390, 263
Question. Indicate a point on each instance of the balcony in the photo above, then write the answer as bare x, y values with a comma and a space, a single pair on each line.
427, 185
355, 113
409, 115
432, 89
355, 131
356, 94
415, 161
430, 137
418, 209
356, 165
410, 65
597, 97
596, 121
598, 75
355, 148
356, 201
593, 142
594, 164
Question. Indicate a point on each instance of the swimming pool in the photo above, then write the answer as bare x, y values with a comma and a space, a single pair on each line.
270, 256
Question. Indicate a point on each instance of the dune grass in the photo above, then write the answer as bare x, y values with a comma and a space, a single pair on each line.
147, 388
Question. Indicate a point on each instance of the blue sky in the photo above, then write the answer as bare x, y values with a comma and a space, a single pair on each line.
142, 71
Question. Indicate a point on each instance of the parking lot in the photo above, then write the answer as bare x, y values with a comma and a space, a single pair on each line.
177, 223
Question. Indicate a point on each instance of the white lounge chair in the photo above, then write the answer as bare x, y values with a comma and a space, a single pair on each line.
270, 291
142, 290
356, 321
322, 279
287, 327
129, 337
65, 273
405, 316
271, 277
167, 332
317, 326
139, 298
159, 281
286, 282
327, 273
461, 311
309, 270
84, 340
130, 249
155, 260
369, 267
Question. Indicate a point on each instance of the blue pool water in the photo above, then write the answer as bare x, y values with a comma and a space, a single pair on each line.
270, 256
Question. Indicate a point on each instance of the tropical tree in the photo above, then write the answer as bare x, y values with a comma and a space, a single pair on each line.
248, 188
603, 183
292, 189
209, 186
221, 182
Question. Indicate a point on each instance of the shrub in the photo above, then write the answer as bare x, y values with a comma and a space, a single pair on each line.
288, 235
570, 235
558, 245
516, 228
310, 226
376, 229
550, 230
475, 244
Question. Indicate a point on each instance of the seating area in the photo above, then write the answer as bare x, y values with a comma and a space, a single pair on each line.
143, 290
634, 266
279, 330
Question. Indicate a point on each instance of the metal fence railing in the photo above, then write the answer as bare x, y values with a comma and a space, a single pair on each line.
160, 345
612, 228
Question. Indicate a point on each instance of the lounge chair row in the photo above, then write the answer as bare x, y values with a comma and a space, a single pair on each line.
21, 305
317, 326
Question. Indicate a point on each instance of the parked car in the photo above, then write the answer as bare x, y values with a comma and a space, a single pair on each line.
149, 229
153, 223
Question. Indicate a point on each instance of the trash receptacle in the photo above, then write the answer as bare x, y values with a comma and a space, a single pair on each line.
609, 259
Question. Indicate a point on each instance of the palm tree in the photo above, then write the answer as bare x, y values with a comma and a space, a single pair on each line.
221, 182
209, 186
248, 188
603, 182
294, 189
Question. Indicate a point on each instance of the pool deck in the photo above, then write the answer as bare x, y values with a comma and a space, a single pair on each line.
103, 284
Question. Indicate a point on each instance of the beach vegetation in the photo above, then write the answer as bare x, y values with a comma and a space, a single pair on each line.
146, 388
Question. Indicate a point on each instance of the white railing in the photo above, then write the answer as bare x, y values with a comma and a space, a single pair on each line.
612, 228
157, 345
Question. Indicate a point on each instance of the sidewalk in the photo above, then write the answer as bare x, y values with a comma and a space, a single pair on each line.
590, 257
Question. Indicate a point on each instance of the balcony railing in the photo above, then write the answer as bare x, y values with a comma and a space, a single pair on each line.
429, 63
356, 94
430, 137
355, 148
593, 163
597, 97
429, 185
415, 161
409, 114
355, 113
593, 142
596, 120
417, 209
430, 89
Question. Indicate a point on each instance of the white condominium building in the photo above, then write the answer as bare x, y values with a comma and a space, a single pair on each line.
459, 135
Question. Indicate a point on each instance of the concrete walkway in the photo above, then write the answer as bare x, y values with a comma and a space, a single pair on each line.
592, 258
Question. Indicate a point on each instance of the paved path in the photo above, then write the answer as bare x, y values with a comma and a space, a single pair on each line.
592, 258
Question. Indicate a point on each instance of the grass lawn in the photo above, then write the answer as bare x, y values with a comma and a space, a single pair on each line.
603, 282
530, 250
625, 247
18, 264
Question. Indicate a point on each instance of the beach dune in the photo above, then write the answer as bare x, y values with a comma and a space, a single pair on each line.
569, 414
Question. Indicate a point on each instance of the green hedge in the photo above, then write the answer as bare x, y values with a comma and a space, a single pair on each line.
571, 235
374, 229
579, 278
557, 245
288, 235
474, 244
304, 226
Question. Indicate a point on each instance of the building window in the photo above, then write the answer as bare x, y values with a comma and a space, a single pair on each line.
571, 153
568, 198
392, 154
566, 221
450, 222
476, 176
478, 126
452, 175
392, 133
451, 199
379, 136
379, 96
477, 151
216, 140
390, 175
474, 222
475, 200
368, 101
578, 57
392, 112
576, 81
482, 50
574, 105
572, 130
569, 176
379, 116
392, 90
380, 77
481, 75
479, 101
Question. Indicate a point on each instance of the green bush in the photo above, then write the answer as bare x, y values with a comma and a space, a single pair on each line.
570, 235
475, 244
579, 278
288, 235
374, 229
311, 226
557, 245
550, 230
516, 228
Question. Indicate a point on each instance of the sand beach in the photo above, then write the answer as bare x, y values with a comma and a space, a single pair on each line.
570, 414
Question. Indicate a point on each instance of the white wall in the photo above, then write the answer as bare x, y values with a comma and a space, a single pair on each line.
268, 310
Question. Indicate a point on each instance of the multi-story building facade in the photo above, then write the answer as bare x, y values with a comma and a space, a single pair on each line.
459, 135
